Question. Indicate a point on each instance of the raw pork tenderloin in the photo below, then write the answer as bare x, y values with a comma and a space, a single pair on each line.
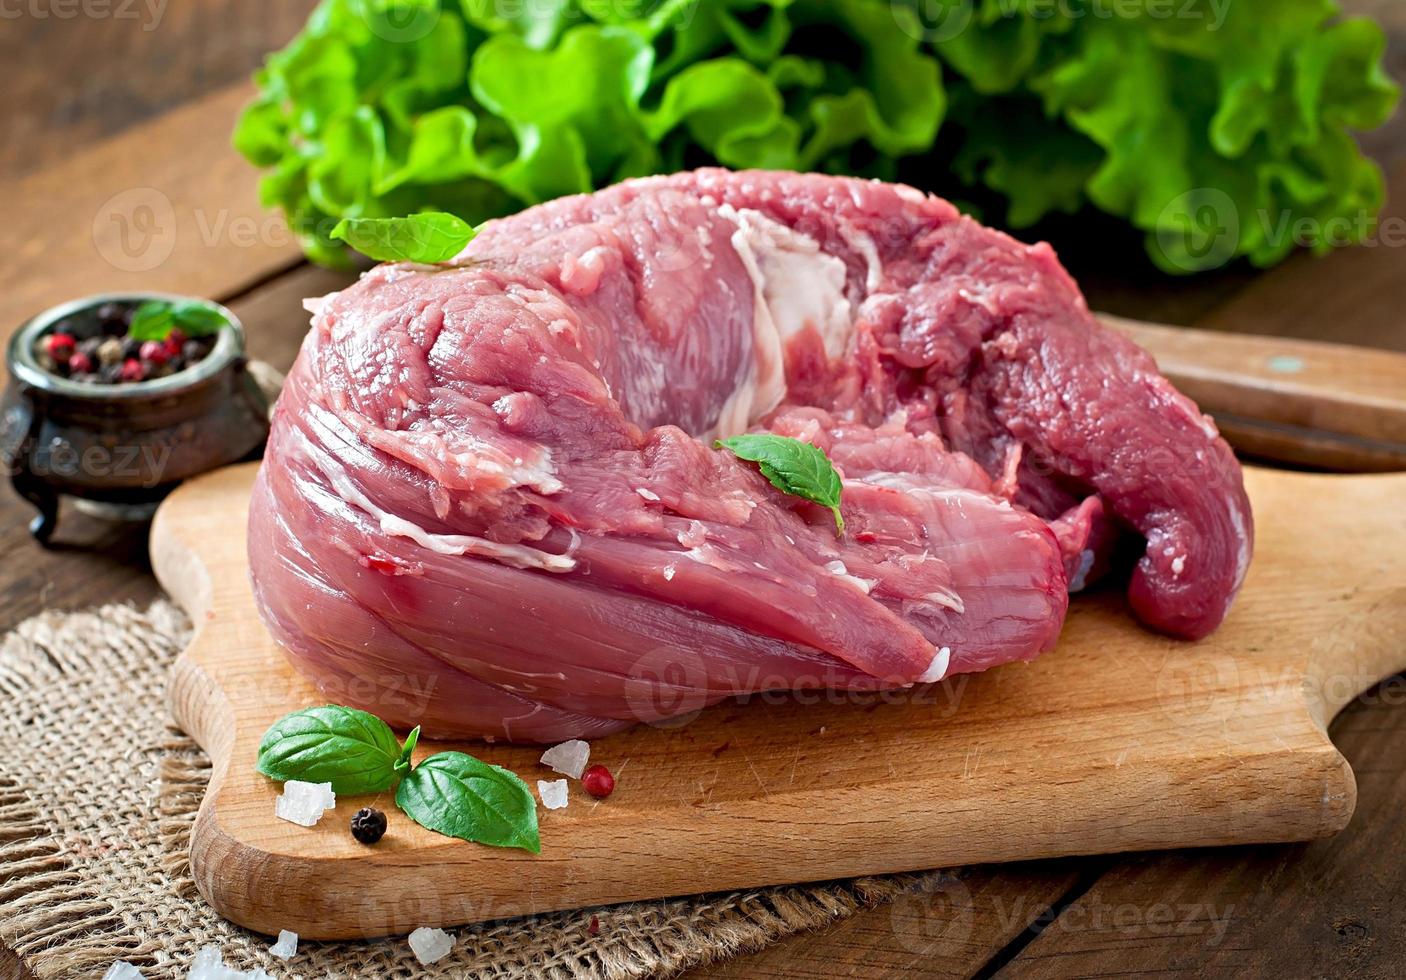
491, 503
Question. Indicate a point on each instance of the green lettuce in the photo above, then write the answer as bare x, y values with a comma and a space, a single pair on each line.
1221, 129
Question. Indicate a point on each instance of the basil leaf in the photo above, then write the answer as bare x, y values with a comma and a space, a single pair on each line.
354, 751
155, 319
152, 321
198, 319
402, 765
793, 467
430, 237
457, 795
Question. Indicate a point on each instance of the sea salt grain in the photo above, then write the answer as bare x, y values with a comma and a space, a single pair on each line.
122, 970
430, 945
287, 946
208, 965
553, 793
568, 758
304, 803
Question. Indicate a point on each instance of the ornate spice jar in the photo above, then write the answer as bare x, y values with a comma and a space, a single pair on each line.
122, 447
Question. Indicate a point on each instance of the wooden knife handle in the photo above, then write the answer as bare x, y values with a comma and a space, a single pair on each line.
1304, 402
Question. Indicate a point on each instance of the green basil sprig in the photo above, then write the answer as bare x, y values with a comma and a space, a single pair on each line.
793, 467
156, 318
450, 793
430, 237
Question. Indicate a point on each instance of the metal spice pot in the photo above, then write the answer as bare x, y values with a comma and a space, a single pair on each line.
120, 448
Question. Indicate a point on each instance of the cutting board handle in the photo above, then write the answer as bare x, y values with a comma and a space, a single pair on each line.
1344, 619
1304, 402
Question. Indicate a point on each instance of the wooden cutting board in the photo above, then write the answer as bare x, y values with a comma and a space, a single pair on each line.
1118, 740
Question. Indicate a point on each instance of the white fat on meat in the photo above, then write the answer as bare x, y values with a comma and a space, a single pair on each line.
937, 670
795, 285
841, 571
516, 556
474, 458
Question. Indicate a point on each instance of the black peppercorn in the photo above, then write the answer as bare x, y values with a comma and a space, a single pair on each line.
368, 825
81, 327
114, 318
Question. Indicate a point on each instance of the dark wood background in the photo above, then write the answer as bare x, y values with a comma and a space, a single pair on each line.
99, 103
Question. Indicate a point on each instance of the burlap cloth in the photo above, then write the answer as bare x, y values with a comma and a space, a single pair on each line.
98, 794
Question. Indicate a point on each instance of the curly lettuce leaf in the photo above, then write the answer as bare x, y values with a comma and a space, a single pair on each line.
1221, 130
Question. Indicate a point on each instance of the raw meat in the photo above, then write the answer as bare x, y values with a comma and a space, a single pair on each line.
490, 502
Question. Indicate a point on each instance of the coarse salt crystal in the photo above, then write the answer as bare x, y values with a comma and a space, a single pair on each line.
569, 758
553, 793
122, 970
209, 964
304, 803
430, 945
287, 946
646, 494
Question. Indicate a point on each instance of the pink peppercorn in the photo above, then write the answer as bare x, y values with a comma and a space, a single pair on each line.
80, 363
59, 346
598, 781
155, 352
132, 370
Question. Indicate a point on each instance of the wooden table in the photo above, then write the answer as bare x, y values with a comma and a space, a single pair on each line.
101, 105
